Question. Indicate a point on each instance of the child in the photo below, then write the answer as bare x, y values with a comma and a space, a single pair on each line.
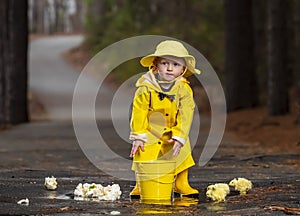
162, 111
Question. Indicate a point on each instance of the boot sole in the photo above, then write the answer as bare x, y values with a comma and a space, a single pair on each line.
135, 196
196, 195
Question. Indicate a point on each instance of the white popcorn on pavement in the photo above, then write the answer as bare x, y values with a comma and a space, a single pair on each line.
50, 183
23, 202
97, 191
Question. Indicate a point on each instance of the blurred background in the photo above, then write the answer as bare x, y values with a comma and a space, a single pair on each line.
253, 45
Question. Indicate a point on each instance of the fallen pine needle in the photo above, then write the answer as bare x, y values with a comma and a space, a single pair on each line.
284, 209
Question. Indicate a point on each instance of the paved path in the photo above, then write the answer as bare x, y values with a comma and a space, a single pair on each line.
53, 81
51, 78
30, 152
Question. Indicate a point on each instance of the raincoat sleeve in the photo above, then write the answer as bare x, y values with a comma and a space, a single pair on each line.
185, 115
139, 116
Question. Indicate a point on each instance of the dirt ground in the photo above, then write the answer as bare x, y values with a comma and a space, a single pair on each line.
271, 134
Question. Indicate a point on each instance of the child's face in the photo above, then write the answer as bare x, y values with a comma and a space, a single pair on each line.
168, 69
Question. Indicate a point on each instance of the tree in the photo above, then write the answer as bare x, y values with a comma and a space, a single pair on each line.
13, 61
278, 76
79, 15
240, 84
260, 41
37, 24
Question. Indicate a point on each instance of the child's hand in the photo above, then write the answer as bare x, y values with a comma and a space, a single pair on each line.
135, 146
176, 147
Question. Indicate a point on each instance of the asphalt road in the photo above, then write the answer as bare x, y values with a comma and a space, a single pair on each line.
30, 152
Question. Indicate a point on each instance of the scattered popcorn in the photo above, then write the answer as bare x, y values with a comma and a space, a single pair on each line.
50, 183
220, 185
217, 192
241, 184
23, 202
115, 212
86, 190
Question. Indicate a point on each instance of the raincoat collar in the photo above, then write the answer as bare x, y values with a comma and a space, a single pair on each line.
149, 80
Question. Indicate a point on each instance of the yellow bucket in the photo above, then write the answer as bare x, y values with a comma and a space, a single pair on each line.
155, 179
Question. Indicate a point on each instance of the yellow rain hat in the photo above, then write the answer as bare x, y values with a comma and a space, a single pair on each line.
170, 48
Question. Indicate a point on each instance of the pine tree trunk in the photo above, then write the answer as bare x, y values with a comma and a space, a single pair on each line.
278, 75
3, 35
13, 61
79, 16
260, 41
39, 8
241, 83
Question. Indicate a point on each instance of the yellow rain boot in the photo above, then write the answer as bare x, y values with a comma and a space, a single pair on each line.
135, 193
182, 185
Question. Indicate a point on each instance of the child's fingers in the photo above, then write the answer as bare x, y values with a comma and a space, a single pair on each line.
176, 152
176, 148
133, 150
132, 153
142, 148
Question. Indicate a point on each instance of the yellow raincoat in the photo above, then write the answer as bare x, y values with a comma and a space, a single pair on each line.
158, 116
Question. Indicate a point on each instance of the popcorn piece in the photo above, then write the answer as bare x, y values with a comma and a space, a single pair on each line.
220, 185
50, 183
79, 190
23, 202
241, 184
217, 192
111, 192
